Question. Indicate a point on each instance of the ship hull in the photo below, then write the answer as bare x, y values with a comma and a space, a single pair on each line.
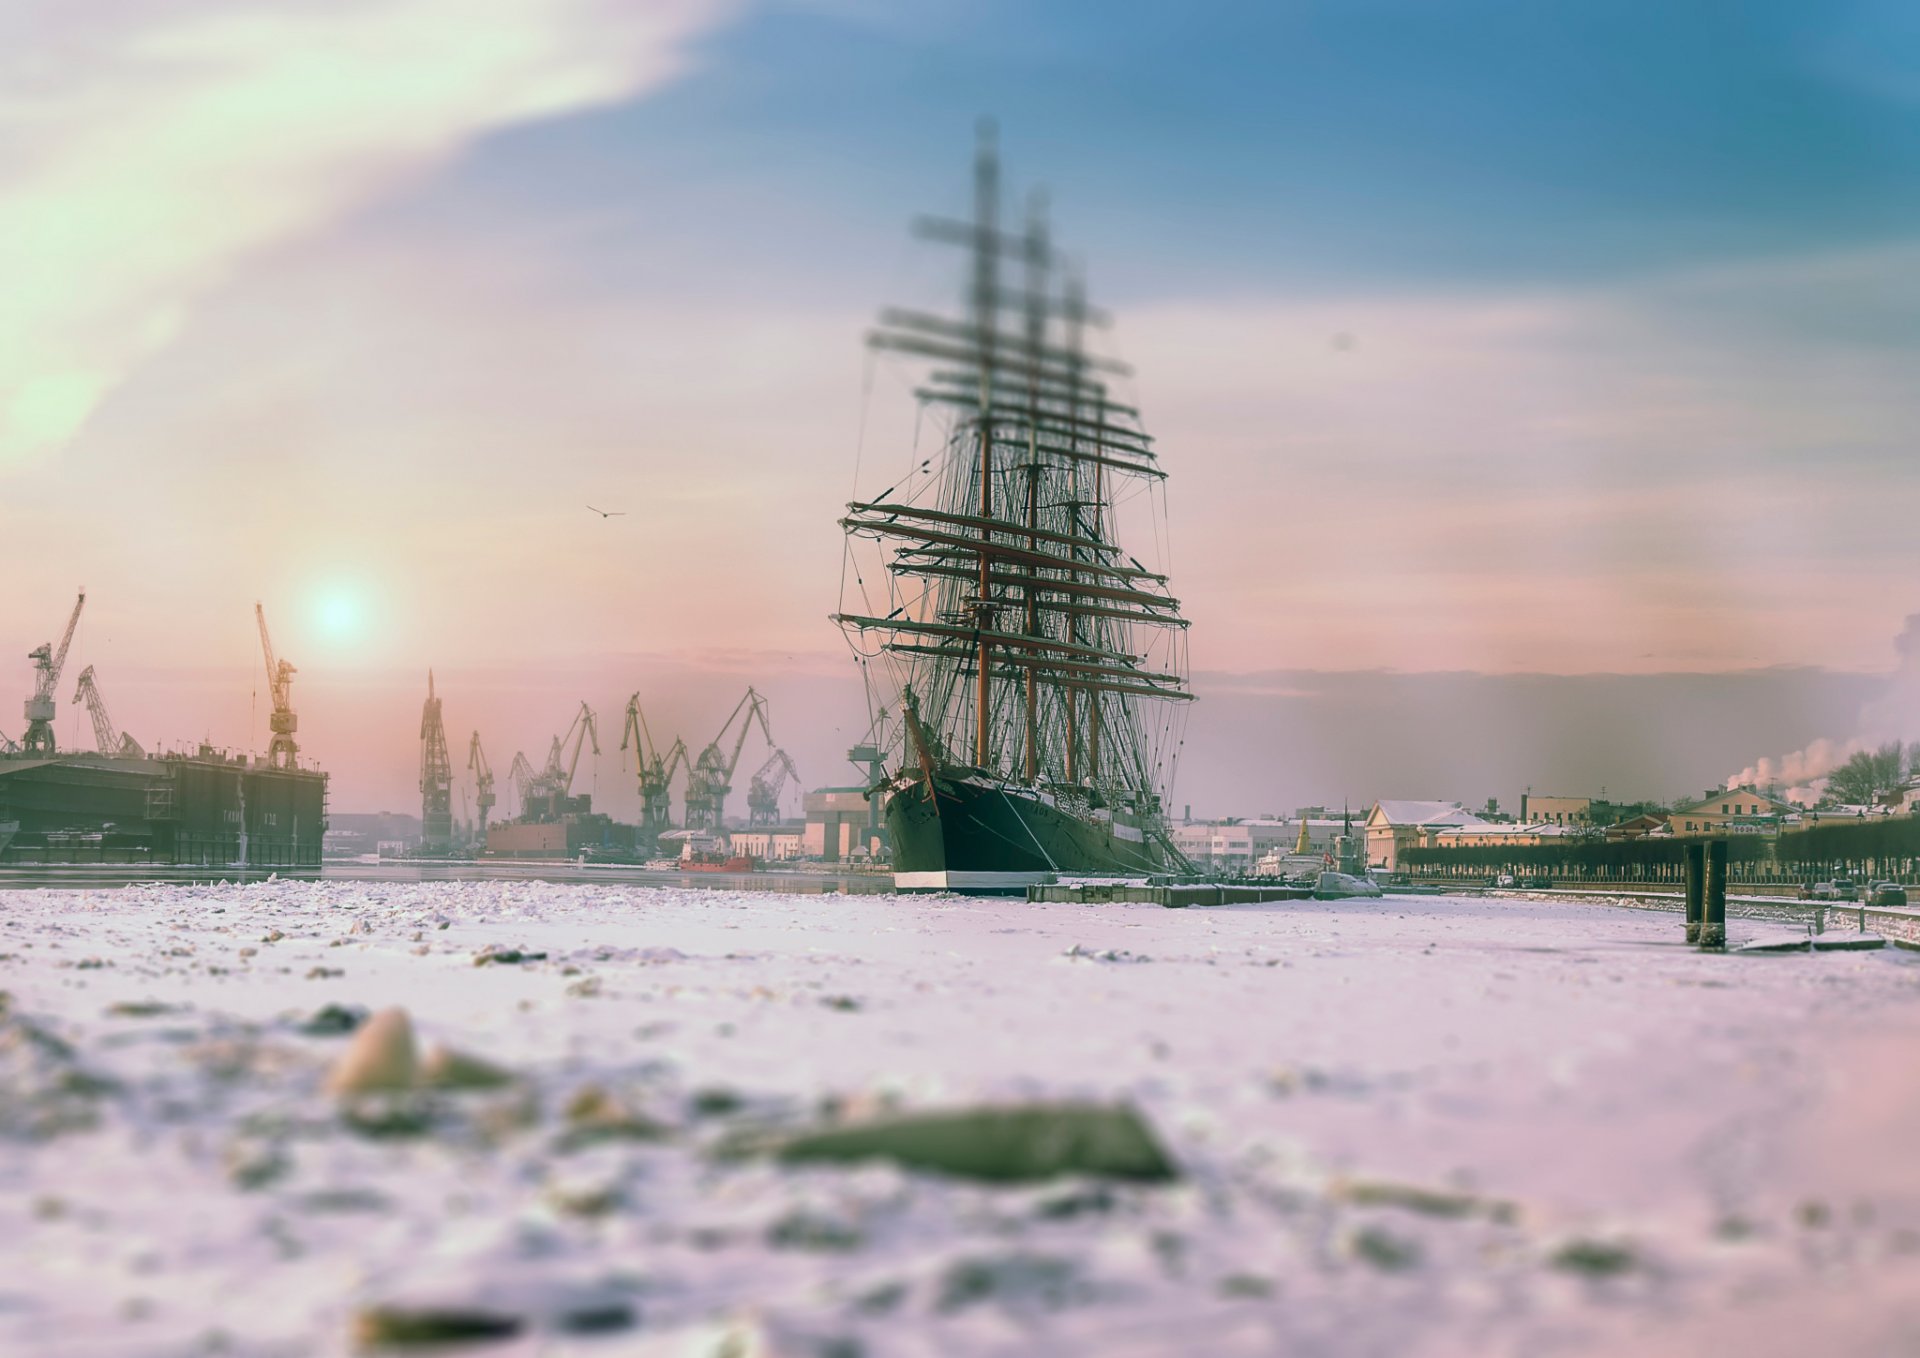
981, 838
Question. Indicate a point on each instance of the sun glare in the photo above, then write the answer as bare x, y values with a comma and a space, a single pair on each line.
339, 614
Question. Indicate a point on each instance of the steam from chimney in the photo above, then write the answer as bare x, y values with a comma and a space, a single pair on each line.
1803, 774
1894, 715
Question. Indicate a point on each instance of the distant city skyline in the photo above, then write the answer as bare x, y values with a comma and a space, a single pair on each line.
1493, 342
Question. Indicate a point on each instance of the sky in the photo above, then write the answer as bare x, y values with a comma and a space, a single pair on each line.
1490, 344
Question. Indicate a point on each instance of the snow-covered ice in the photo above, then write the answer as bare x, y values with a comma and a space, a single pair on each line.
1407, 1126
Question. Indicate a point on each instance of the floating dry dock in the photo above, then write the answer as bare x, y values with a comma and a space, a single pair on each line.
208, 808
1173, 897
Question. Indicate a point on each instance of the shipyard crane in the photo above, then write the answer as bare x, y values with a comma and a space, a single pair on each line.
870, 752
281, 750
676, 759
109, 740
436, 776
763, 793
520, 773
656, 770
483, 781
711, 777
47, 664
553, 785
582, 732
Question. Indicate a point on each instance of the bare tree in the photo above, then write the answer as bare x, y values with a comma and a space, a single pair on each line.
1889, 767
1868, 773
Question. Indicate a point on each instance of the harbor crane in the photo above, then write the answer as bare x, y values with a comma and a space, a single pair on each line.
656, 770
763, 793
581, 732
436, 777
711, 777
520, 773
281, 750
47, 664
483, 781
870, 753
553, 785
109, 740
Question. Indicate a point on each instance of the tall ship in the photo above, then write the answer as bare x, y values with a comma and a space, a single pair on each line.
118, 804
1029, 669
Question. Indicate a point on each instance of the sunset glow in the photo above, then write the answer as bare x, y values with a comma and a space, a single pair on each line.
475, 267
850, 678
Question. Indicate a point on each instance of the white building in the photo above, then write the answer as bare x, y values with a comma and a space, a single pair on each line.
1509, 833
1236, 845
769, 843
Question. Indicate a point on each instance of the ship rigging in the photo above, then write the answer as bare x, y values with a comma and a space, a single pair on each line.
1039, 666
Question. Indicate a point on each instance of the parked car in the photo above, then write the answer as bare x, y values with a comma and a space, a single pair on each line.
1887, 893
1505, 879
1540, 883
1839, 889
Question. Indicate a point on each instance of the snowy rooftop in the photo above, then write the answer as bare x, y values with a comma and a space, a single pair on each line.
1541, 829
1425, 813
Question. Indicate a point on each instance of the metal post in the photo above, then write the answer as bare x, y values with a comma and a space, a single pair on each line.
1713, 927
1696, 888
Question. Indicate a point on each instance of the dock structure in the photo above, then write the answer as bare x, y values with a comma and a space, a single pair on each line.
123, 807
1713, 920
1173, 897
1696, 861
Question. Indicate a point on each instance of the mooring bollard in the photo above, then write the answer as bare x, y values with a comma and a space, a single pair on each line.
1713, 925
1696, 888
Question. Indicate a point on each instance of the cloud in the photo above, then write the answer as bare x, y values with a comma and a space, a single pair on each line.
1470, 736
1696, 470
152, 148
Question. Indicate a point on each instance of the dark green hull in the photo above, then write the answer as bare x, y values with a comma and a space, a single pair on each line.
987, 839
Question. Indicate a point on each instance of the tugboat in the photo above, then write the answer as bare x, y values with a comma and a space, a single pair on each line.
1038, 666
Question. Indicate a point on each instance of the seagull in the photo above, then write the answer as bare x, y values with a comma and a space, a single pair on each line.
609, 513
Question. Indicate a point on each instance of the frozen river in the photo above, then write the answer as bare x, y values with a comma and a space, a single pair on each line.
1409, 1126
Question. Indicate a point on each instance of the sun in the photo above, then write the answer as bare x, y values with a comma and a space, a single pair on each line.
338, 614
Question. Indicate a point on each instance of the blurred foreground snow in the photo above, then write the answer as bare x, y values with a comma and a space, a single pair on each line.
1410, 1126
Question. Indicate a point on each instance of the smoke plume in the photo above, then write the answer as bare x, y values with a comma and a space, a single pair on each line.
1893, 715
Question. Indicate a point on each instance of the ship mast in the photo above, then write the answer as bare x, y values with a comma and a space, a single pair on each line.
1011, 588
1036, 281
1075, 313
986, 307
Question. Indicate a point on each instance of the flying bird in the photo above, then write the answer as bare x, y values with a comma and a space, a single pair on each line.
609, 513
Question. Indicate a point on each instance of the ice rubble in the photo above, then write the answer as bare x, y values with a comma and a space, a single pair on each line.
1407, 1126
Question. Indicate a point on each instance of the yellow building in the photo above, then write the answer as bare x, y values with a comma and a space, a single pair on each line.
1731, 811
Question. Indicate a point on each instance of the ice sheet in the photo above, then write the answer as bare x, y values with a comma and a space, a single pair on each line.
1407, 1126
